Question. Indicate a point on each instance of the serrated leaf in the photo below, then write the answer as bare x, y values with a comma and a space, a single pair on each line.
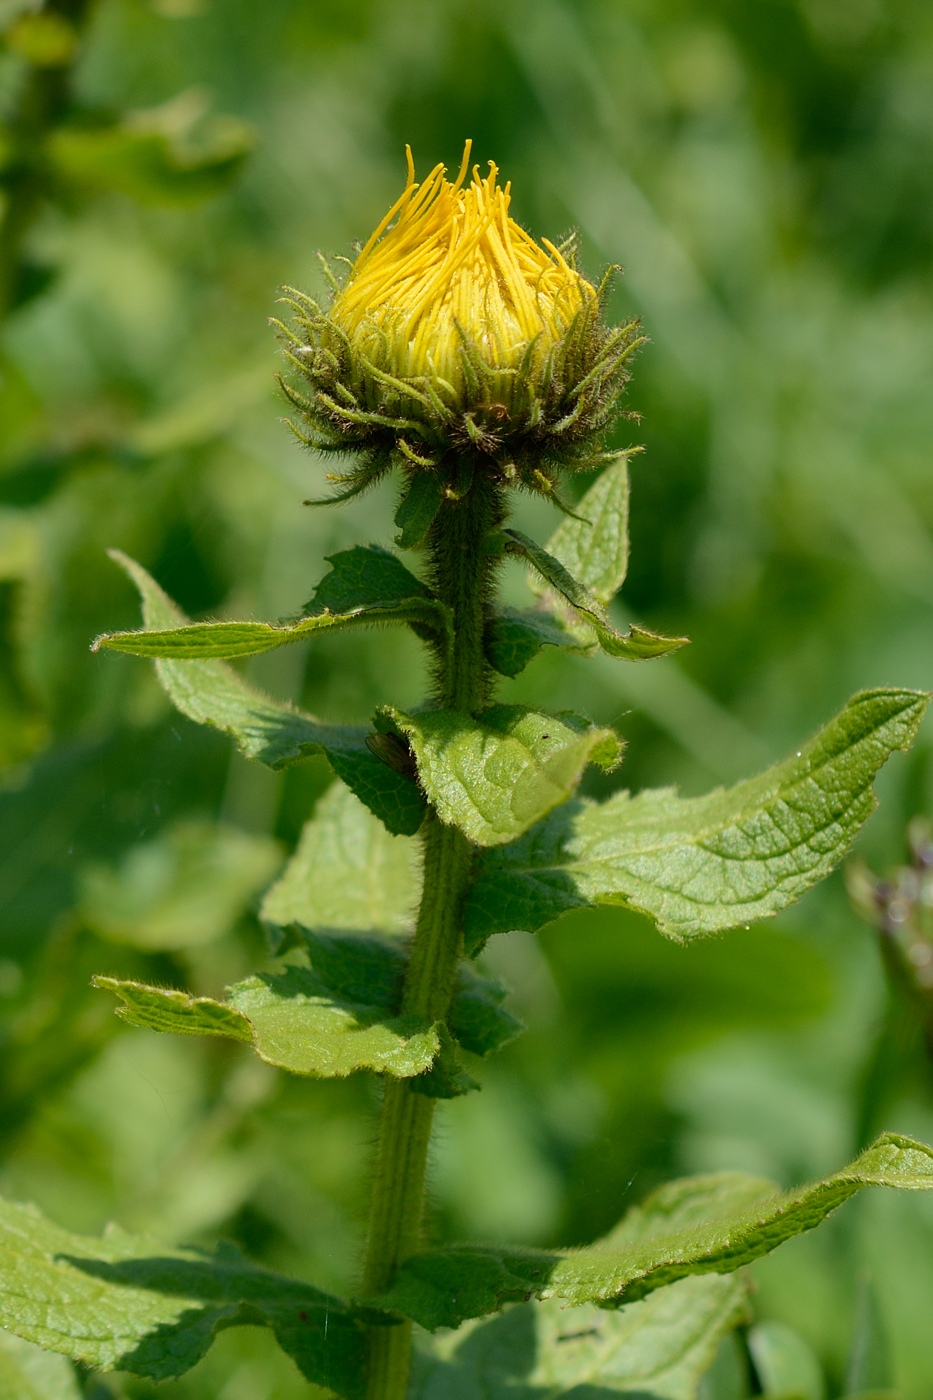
545, 1351
702, 864
198, 641
637, 644
340, 1014
594, 549
477, 1017
209, 692
495, 775
700, 1225
363, 577
347, 872
516, 636
28, 1373
132, 1304
417, 509
293, 1021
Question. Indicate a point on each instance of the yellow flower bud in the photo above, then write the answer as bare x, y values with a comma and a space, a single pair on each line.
449, 272
457, 342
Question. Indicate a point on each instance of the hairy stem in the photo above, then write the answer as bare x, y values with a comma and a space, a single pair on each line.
461, 573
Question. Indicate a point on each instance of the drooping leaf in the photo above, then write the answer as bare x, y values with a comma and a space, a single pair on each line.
292, 1019
417, 509
198, 641
365, 576
333, 1012
545, 1351
785, 1363
594, 549
29, 1373
515, 638
701, 864
637, 644
700, 1225
131, 1304
185, 888
209, 692
498, 774
347, 872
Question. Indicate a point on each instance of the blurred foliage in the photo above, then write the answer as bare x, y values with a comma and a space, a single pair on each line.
762, 172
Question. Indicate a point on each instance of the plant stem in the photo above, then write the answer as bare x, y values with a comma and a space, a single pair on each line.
462, 576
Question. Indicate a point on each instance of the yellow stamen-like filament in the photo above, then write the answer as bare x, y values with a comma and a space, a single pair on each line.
448, 266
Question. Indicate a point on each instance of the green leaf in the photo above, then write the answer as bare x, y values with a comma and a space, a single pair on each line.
333, 1008
371, 971
496, 775
132, 1304
594, 549
545, 1351
347, 872
515, 637
785, 1363
637, 644
447, 1078
293, 1020
477, 1017
28, 1373
365, 577
198, 641
701, 864
185, 888
700, 1225
276, 733
418, 507
174, 154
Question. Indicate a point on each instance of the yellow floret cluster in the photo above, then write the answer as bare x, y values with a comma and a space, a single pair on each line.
448, 268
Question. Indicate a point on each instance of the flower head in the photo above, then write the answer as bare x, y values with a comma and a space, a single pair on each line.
455, 334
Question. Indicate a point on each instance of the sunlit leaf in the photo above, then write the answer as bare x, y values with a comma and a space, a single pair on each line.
594, 549
498, 774
700, 864
330, 1013
293, 1021
637, 644
545, 1351
347, 872
210, 692
700, 1225
131, 1304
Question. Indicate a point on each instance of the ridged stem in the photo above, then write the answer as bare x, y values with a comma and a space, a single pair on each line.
461, 573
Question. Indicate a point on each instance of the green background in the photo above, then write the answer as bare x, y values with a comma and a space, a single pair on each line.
762, 170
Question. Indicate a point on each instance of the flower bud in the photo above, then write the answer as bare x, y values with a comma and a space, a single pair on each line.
455, 335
